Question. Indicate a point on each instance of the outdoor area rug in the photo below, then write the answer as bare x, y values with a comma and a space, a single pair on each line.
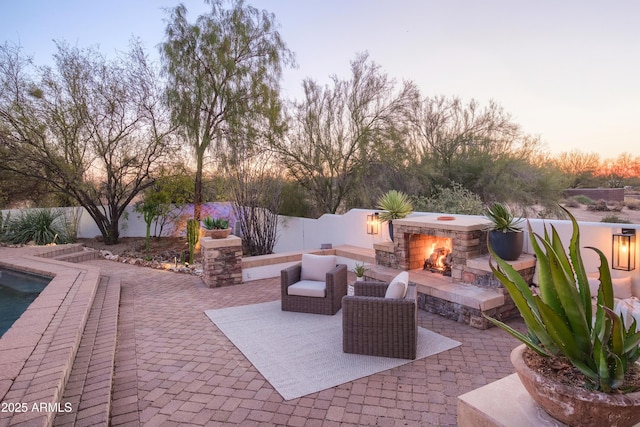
301, 353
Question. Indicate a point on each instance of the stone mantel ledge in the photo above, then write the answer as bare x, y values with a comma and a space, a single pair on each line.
384, 247
209, 243
482, 262
459, 223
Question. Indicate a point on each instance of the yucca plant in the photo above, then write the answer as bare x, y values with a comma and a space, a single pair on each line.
559, 319
395, 204
41, 226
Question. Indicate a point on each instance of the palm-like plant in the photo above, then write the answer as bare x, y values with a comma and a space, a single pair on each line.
396, 205
559, 319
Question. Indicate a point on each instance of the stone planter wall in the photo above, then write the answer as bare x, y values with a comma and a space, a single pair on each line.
222, 259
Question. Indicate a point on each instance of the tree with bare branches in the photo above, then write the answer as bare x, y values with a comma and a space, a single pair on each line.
94, 129
339, 130
580, 168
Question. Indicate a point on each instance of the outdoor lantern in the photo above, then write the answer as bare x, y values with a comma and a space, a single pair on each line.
373, 224
624, 250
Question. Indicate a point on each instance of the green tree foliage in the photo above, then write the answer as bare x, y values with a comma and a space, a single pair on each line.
164, 200
482, 149
453, 200
338, 131
91, 128
224, 72
294, 200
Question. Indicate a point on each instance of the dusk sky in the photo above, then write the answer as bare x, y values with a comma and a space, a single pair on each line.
567, 71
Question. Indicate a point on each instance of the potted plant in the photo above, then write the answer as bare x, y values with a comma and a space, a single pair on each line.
396, 205
505, 237
564, 333
216, 228
359, 270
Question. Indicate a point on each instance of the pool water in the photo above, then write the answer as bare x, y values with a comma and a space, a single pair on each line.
17, 291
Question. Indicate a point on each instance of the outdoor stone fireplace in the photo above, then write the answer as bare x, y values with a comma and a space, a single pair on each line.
463, 288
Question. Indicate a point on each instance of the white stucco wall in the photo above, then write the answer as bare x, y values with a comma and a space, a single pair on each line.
298, 234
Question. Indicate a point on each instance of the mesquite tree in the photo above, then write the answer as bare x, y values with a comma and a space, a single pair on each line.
338, 131
94, 129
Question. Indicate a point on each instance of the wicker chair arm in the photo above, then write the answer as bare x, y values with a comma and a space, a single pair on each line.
370, 288
336, 281
290, 275
376, 303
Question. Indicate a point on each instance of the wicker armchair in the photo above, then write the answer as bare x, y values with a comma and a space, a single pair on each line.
336, 288
378, 326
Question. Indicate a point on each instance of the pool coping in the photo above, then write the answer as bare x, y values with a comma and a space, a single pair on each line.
37, 352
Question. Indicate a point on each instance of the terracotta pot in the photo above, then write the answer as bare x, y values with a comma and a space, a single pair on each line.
219, 233
576, 406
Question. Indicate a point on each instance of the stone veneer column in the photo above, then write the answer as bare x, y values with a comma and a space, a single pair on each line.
222, 259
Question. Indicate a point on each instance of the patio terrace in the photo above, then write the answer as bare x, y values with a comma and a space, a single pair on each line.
174, 366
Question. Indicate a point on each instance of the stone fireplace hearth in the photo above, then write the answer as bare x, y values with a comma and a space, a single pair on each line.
472, 289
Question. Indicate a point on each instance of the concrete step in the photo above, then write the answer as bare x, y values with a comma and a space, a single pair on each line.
73, 252
79, 256
88, 390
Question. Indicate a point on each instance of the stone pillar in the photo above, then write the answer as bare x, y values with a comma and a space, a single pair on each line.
222, 259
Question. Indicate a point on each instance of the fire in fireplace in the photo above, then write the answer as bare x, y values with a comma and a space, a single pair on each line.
439, 261
438, 256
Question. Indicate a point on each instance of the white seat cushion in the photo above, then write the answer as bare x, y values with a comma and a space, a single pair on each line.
398, 286
308, 288
316, 267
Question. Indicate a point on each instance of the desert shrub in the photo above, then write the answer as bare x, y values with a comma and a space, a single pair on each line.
571, 203
615, 219
599, 206
453, 200
41, 226
617, 206
583, 200
633, 205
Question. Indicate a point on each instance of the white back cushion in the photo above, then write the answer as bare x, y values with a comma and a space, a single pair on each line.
622, 287
594, 285
398, 286
316, 267
635, 288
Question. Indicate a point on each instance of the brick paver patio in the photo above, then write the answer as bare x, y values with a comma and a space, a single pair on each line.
174, 367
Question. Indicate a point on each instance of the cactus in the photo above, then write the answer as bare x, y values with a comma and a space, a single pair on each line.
193, 234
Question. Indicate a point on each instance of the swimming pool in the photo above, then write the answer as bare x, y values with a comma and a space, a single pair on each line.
17, 291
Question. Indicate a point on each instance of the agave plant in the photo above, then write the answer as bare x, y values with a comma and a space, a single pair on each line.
215, 224
503, 219
395, 204
560, 318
